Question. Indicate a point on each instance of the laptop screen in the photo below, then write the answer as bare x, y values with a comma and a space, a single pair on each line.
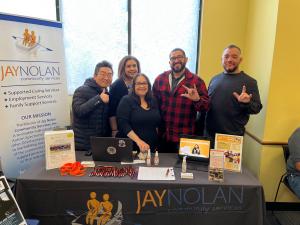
194, 147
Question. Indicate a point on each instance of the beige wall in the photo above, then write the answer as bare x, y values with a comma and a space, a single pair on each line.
283, 112
222, 23
258, 61
283, 115
258, 54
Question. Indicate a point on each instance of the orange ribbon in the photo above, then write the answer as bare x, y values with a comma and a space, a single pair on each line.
73, 169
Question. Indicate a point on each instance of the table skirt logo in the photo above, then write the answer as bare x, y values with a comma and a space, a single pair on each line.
200, 199
100, 212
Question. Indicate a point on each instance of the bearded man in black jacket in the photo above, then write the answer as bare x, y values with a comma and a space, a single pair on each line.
90, 107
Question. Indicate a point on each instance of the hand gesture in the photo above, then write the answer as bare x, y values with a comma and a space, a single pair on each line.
104, 97
244, 97
143, 146
191, 93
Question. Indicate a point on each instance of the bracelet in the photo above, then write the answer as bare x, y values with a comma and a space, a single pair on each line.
73, 169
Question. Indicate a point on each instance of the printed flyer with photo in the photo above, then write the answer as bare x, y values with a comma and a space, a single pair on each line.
216, 165
232, 146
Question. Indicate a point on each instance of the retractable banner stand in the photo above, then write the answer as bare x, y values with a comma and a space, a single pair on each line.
33, 89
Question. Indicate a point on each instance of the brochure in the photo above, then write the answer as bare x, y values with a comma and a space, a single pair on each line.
59, 148
232, 147
10, 212
216, 165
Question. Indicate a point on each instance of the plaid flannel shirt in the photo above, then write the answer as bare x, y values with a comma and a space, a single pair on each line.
179, 113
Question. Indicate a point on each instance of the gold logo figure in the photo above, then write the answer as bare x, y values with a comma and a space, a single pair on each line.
107, 207
29, 39
26, 37
32, 39
93, 206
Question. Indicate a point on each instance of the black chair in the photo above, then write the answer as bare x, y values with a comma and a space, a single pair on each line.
284, 177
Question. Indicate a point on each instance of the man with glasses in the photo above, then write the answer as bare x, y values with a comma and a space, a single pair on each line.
180, 94
90, 107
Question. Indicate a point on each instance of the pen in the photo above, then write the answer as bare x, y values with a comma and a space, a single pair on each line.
167, 173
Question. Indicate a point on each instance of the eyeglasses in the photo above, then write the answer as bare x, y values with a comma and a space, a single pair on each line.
108, 75
141, 84
180, 57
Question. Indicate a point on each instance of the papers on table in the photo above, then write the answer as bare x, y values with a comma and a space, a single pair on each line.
88, 163
156, 173
216, 165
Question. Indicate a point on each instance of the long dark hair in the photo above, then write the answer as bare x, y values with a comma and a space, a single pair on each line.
148, 97
122, 64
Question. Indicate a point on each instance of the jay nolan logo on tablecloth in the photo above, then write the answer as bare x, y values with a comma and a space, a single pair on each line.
194, 199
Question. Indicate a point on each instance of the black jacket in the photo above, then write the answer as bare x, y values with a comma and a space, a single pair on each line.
116, 91
90, 114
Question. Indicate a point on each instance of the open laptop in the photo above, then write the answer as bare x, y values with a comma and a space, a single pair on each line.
110, 149
196, 149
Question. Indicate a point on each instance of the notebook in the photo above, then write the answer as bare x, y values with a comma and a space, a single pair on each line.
196, 148
110, 149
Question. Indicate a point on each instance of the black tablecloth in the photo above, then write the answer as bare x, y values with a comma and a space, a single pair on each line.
62, 200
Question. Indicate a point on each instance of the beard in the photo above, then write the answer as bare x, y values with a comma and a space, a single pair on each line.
179, 69
230, 70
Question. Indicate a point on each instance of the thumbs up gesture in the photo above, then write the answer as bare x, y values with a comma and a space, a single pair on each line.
244, 97
104, 97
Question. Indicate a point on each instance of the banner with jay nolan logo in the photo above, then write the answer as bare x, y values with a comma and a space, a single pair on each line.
33, 89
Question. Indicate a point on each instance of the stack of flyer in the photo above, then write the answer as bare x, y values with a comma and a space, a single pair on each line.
216, 165
59, 148
232, 147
